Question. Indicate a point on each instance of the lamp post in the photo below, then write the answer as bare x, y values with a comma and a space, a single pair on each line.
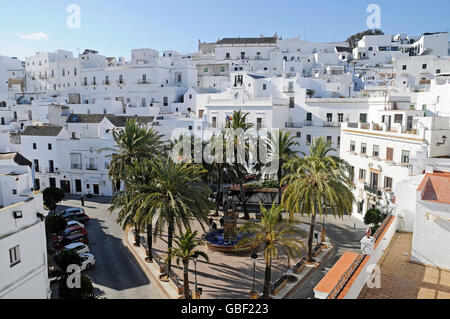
197, 293
254, 293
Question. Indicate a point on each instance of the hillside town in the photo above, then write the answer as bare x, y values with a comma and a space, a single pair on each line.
381, 104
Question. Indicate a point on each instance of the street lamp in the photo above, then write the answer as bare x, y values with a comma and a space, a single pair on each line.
253, 293
195, 259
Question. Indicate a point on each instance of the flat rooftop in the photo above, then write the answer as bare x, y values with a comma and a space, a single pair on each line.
403, 279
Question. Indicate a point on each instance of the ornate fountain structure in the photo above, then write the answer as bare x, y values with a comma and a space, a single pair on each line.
225, 240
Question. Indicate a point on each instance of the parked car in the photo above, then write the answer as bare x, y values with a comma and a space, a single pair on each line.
72, 230
72, 210
75, 214
79, 248
80, 237
71, 223
88, 261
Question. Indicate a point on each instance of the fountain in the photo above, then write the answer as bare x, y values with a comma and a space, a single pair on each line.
225, 240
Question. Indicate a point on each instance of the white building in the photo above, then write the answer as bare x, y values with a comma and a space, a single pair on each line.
23, 266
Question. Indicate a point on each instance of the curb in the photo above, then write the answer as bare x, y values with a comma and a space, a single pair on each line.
324, 259
144, 267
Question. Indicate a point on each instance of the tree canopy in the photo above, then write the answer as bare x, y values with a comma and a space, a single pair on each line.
353, 39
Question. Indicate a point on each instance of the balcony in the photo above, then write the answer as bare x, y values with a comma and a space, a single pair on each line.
293, 125
331, 124
308, 123
372, 190
143, 82
76, 166
92, 167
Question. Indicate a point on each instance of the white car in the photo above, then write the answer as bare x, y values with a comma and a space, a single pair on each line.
88, 261
71, 223
79, 248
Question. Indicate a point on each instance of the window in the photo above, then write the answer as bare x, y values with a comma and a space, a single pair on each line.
222, 69
339, 141
424, 66
309, 117
340, 117
376, 151
120, 79
259, 123
264, 87
389, 154
405, 156
75, 160
352, 146
398, 118
299, 134
165, 101
205, 70
14, 256
329, 139
308, 139
363, 117
291, 102
438, 71
329, 117
36, 165
362, 174
363, 148
34, 146
49, 146
75, 71
404, 67
227, 55
388, 183
214, 122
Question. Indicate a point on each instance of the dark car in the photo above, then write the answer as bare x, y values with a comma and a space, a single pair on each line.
74, 238
79, 216
72, 230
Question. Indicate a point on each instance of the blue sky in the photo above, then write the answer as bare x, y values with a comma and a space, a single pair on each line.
113, 27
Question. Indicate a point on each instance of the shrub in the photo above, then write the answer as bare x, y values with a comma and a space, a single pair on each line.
55, 224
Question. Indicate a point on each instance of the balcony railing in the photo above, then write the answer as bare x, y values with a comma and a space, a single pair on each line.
331, 124
92, 168
293, 125
143, 82
76, 166
372, 190
308, 123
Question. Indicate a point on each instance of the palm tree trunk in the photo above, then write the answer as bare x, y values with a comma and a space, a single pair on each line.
149, 243
311, 237
244, 201
137, 236
279, 173
169, 246
267, 276
218, 196
186, 280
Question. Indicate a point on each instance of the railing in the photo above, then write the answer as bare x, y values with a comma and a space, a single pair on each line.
331, 124
351, 270
293, 125
352, 125
143, 82
76, 166
372, 190
92, 168
308, 123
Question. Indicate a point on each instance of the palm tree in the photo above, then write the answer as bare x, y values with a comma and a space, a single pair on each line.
278, 237
281, 144
174, 196
185, 251
133, 144
316, 183
239, 121
310, 93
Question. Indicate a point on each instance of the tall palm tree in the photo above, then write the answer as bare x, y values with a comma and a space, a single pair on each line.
174, 196
318, 183
280, 144
134, 143
186, 249
277, 236
239, 121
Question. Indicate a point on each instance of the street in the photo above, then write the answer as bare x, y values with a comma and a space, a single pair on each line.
345, 237
116, 274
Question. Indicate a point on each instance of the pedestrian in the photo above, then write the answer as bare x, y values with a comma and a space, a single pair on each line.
222, 221
82, 200
214, 226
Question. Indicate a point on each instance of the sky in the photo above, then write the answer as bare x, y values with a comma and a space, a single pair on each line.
114, 27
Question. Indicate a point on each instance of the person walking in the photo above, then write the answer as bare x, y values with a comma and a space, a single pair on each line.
82, 200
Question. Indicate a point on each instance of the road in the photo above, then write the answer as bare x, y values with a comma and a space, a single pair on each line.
345, 237
116, 274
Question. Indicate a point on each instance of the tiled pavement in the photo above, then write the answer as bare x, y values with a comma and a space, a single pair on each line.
225, 276
402, 279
